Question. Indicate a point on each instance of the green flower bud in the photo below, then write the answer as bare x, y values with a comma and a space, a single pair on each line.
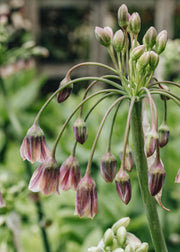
121, 236
134, 23
108, 237
154, 60
163, 134
143, 61
80, 130
123, 16
128, 248
137, 52
64, 93
143, 247
122, 222
177, 179
151, 142
161, 41
118, 41
133, 241
149, 38
104, 35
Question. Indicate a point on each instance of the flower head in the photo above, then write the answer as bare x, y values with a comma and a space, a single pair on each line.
34, 147
86, 203
70, 174
46, 178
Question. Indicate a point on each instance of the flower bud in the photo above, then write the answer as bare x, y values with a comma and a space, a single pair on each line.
156, 176
121, 236
80, 130
137, 52
108, 167
104, 35
135, 23
129, 248
133, 241
123, 186
108, 237
149, 38
123, 222
163, 134
143, 247
177, 179
151, 142
70, 174
65, 92
123, 16
161, 41
118, 41
143, 61
154, 60
86, 203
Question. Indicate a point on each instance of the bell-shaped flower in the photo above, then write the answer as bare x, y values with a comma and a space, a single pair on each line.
86, 204
66, 91
70, 174
45, 179
108, 167
34, 147
123, 186
80, 130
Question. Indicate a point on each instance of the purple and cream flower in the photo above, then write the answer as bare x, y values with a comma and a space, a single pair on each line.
34, 147
70, 174
45, 179
86, 204
123, 186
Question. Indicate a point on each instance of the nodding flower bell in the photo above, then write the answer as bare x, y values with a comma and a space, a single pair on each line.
151, 142
129, 159
156, 176
163, 134
123, 186
46, 178
34, 147
108, 167
65, 92
80, 130
70, 174
86, 204
104, 35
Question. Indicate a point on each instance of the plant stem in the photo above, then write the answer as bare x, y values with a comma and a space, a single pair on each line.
142, 169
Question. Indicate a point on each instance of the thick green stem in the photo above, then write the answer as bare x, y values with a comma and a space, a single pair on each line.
142, 169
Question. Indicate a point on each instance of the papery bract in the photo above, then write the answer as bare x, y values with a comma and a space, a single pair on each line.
70, 174
34, 147
86, 204
46, 178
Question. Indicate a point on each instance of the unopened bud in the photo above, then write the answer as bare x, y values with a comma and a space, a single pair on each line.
149, 38
133, 241
143, 61
108, 167
163, 134
121, 236
118, 41
177, 179
65, 92
80, 130
129, 248
108, 237
123, 186
104, 35
123, 16
143, 247
156, 176
161, 41
135, 23
151, 142
137, 52
123, 222
154, 60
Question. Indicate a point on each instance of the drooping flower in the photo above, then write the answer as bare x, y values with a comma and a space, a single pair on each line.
65, 92
80, 130
86, 203
70, 174
123, 186
108, 167
45, 179
34, 147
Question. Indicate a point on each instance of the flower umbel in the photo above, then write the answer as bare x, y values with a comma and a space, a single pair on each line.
34, 147
86, 203
46, 178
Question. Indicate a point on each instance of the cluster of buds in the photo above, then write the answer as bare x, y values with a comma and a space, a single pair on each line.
132, 80
118, 239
